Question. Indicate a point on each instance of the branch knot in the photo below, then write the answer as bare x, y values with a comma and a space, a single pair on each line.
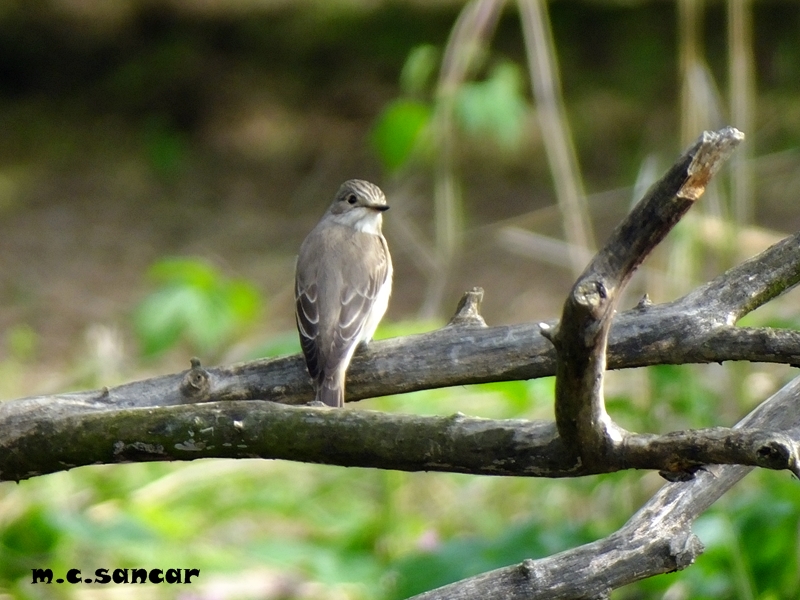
591, 295
196, 384
468, 310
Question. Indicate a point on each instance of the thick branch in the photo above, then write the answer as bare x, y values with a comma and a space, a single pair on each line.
657, 539
685, 331
582, 334
361, 438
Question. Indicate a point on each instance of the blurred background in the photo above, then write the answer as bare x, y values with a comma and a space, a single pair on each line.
162, 160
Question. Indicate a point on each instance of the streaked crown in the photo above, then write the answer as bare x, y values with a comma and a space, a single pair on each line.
355, 193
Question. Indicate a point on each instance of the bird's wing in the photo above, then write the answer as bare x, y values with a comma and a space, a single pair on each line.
307, 316
327, 347
361, 285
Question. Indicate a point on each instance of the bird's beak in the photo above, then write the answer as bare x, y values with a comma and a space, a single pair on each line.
380, 207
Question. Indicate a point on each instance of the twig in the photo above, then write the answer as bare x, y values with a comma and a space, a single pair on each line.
556, 136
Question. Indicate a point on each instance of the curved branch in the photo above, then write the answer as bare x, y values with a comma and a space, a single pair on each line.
581, 337
657, 539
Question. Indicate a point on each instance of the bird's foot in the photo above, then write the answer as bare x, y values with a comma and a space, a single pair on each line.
317, 404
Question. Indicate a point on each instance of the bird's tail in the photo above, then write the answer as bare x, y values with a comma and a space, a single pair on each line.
331, 390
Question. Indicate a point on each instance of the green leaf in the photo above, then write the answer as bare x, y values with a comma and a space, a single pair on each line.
419, 69
188, 271
28, 538
194, 303
398, 130
243, 299
494, 107
158, 319
22, 342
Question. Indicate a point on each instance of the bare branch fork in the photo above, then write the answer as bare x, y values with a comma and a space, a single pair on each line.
581, 337
657, 539
201, 412
245, 410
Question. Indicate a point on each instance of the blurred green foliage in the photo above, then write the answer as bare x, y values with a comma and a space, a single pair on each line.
397, 131
463, 557
166, 148
21, 342
401, 126
419, 70
492, 109
496, 107
194, 303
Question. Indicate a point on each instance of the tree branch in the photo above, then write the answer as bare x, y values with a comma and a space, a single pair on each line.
581, 336
258, 429
657, 539
40, 434
688, 330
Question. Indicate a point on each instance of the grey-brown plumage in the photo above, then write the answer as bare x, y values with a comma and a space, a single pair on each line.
342, 285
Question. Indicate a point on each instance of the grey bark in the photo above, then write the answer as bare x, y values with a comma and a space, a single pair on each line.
251, 409
657, 539
698, 328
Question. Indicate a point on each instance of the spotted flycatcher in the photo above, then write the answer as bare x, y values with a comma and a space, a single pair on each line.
342, 285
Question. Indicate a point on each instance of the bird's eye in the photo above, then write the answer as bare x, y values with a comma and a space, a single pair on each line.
351, 199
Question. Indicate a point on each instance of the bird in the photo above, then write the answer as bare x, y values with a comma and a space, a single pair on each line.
343, 280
